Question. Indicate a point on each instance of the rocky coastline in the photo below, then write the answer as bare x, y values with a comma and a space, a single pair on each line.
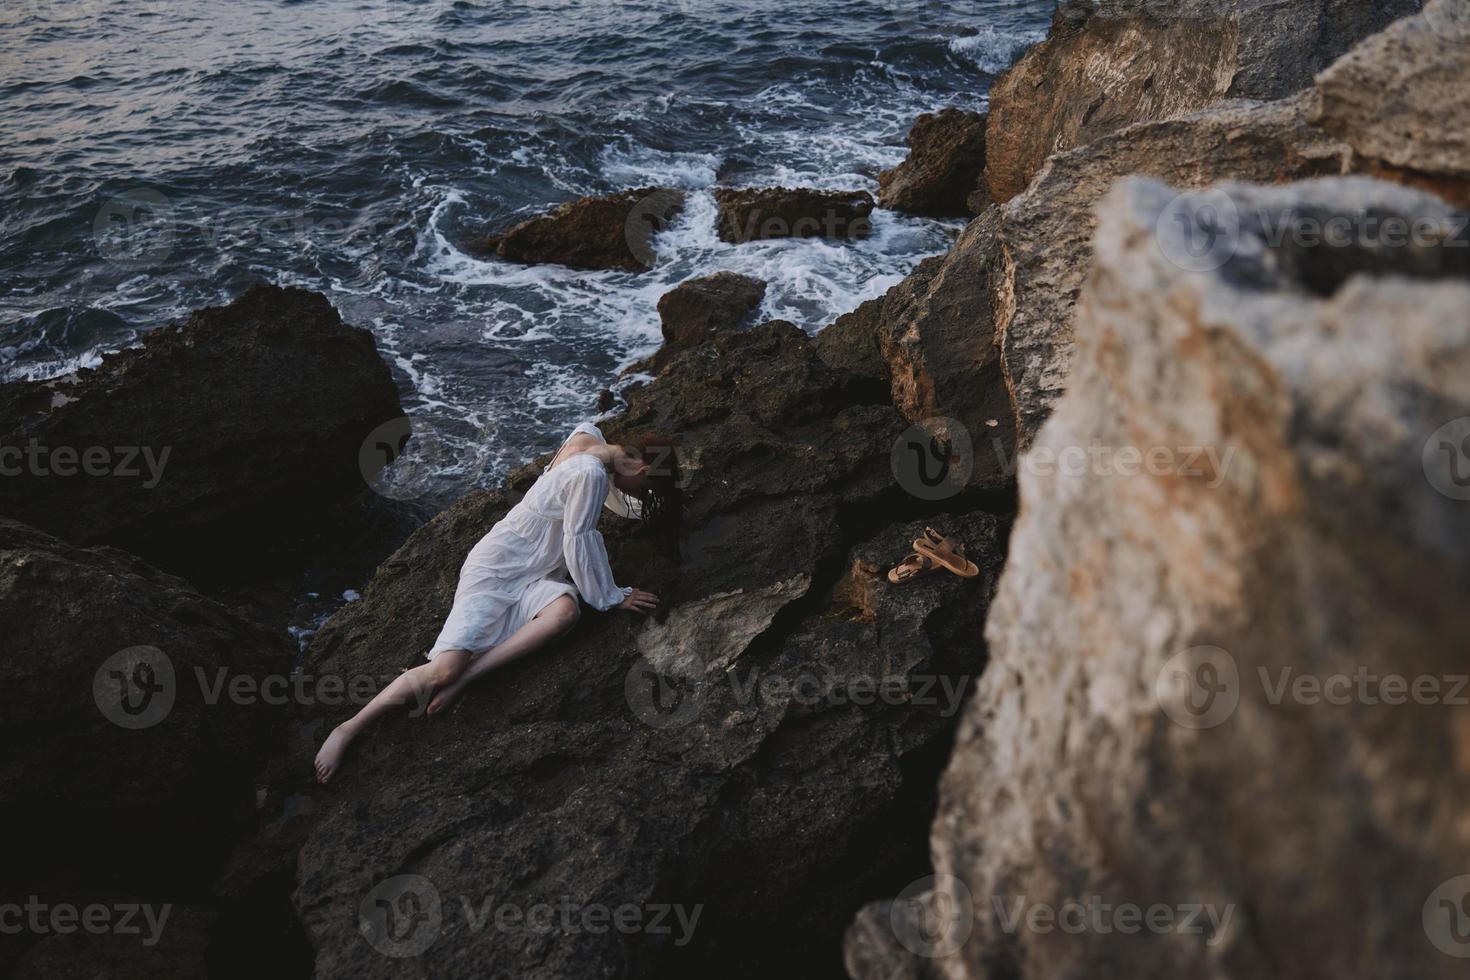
801, 769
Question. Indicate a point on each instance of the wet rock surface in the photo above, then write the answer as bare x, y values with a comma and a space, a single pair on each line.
610, 232
943, 169
215, 447
754, 214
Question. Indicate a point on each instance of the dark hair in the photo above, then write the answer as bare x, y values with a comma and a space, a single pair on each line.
662, 502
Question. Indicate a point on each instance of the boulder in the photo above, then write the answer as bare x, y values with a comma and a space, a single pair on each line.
1400, 101
212, 447
697, 309
982, 335
128, 770
610, 232
722, 749
1227, 644
943, 169
1130, 61
1042, 251
758, 213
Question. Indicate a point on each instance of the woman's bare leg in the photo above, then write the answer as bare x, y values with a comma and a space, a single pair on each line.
553, 620
414, 686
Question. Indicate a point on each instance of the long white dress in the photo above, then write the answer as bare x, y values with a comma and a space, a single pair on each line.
548, 546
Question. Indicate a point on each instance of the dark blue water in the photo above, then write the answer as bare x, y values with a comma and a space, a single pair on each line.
159, 155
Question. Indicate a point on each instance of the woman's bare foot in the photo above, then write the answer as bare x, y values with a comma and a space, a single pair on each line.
447, 695
330, 756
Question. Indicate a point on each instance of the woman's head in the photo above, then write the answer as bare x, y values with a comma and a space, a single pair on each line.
648, 469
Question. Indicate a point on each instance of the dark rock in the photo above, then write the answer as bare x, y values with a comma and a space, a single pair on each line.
212, 447
698, 308
123, 781
942, 174
605, 400
180, 949
566, 778
851, 343
753, 214
611, 232
1140, 60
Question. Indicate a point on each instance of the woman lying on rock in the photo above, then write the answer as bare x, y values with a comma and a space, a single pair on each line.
514, 595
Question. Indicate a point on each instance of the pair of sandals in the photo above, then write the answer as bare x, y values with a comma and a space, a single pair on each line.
932, 552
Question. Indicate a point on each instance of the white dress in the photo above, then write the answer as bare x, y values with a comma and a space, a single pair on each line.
524, 563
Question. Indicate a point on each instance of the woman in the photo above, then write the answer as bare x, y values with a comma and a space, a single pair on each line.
514, 595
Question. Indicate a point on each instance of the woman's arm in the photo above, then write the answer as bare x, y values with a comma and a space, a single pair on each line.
582, 544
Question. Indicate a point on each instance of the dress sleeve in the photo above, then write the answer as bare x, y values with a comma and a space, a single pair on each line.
586, 555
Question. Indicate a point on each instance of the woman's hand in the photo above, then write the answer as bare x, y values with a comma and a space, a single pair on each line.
639, 601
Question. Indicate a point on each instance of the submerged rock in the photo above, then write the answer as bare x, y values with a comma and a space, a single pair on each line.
758, 213
778, 735
1212, 644
943, 169
610, 232
1131, 61
211, 448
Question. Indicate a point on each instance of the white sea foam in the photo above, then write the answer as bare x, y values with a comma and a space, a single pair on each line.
993, 50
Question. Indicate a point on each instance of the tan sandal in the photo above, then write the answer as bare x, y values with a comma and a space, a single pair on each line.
946, 553
911, 568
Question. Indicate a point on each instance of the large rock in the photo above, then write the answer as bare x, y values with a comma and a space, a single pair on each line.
1257, 476
1400, 100
209, 449
1043, 246
128, 769
697, 309
723, 750
983, 334
1131, 61
943, 169
611, 232
757, 213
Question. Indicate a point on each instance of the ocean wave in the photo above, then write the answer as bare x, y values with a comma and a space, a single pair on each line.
993, 50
